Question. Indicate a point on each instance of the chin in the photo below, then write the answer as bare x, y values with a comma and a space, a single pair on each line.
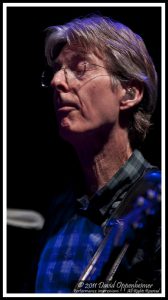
73, 135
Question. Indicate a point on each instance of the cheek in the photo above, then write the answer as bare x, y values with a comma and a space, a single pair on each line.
99, 102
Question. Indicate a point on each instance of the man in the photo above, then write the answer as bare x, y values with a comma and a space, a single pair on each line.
104, 90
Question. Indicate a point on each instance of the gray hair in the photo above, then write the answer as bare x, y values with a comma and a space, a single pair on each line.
126, 57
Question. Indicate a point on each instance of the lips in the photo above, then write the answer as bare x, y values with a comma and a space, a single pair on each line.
66, 105
65, 109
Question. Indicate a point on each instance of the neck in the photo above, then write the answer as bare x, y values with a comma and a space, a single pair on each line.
100, 159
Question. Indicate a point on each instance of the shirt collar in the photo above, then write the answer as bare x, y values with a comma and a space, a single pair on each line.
105, 200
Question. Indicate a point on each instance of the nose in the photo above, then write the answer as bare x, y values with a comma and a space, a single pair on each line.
59, 81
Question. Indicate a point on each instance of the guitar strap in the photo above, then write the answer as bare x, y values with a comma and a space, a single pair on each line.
139, 187
147, 181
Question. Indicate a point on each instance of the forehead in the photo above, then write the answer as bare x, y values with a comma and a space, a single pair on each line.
68, 54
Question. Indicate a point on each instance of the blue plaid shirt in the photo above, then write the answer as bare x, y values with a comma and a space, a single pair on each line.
69, 249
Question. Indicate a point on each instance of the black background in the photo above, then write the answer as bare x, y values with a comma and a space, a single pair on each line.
37, 158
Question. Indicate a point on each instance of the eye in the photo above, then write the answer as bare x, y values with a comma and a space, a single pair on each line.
80, 69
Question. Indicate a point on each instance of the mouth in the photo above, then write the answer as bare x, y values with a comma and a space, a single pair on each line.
66, 106
65, 109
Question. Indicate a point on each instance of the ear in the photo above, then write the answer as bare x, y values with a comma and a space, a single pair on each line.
132, 96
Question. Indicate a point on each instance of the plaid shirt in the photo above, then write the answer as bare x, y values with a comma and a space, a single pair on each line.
69, 249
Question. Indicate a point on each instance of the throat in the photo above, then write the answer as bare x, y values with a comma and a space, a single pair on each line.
100, 168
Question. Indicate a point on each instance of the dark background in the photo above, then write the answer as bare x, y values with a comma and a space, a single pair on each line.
37, 158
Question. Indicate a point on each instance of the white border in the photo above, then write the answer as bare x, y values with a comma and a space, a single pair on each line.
5, 5
163, 136
4, 147
84, 4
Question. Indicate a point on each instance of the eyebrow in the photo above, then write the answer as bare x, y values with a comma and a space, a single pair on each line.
74, 58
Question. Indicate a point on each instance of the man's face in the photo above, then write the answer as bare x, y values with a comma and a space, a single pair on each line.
83, 95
